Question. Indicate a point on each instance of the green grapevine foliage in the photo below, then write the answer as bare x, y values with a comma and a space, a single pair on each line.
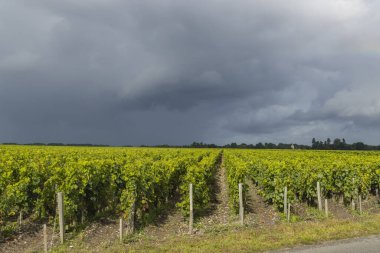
340, 173
101, 181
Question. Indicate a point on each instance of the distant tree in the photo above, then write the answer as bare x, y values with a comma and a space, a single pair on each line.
234, 145
328, 143
344, 144
283, 146
259, 145
270, 145
358, 146
196, 144
243, 145
313, 143
337, 143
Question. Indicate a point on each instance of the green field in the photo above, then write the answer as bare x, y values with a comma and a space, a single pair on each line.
146, 183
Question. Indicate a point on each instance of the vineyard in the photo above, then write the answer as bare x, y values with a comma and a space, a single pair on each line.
139, 183
101, 182
343, 175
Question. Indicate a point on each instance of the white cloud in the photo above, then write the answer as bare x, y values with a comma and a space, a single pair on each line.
356, 102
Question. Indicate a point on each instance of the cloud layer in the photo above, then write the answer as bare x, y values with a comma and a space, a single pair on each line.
154, 72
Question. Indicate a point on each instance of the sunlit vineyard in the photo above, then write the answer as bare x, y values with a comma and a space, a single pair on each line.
342, 174
103, 182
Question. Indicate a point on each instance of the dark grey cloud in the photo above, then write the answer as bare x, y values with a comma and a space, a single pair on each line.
153, 72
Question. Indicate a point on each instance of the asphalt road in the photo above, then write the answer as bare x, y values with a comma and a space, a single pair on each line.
358, 245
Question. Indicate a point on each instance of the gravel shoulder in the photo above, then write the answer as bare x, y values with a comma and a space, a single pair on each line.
368, 245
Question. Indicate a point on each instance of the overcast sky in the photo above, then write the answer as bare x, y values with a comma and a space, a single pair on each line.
173, 71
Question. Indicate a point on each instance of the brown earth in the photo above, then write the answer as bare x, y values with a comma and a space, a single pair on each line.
258, 213
28, 239
219, 213
96, 237
173, 224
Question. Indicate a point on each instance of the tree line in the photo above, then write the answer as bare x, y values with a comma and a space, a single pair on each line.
260, 145
328, 144
341, 144
336, 144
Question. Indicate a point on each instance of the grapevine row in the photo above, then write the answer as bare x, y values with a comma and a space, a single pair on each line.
343, 175
99, 182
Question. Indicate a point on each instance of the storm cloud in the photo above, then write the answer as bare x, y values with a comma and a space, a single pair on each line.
172, 72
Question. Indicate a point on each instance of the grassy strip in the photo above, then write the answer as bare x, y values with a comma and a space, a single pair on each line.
248, 239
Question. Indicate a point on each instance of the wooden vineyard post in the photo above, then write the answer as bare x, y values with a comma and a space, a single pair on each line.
45, 239
191, 209
288, 213
241, 206
326, 208
20, 219
285, 200
82, 219
352, 199
360, 204
121, 229
377, 193
131, 219
341, 199
61, 217
319, 196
